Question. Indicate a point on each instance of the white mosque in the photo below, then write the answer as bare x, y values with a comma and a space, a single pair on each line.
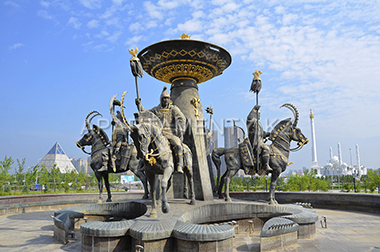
335, 166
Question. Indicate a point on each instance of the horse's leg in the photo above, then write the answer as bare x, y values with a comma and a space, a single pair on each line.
98, 176
185, 188
215, 156
107, 184
229, 174
272, 188
217, 179
189, 175
222, 182
168, 171
152, 182
142, 177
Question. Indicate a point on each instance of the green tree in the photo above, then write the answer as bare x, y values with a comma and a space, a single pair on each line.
5, 166
54, 176
364, 182
44, 178
20, 176
31, 176
347, 187
374, 180
82, 179
280, 184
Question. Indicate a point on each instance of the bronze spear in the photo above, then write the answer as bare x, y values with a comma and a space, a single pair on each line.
256, 88
137, 71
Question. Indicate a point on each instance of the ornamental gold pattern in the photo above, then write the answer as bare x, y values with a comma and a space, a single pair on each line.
168, 73
199, 64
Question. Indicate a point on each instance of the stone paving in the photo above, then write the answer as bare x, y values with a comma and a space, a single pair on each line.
346, 231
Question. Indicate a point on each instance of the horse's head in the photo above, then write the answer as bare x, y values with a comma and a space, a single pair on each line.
93, 134
299, 137
87, 139
145, 132
141, 136
294, 132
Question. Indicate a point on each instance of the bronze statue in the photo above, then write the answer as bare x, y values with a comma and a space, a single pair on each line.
173, 123
154, 150
256, 134
101, 164
281, 136
119, 139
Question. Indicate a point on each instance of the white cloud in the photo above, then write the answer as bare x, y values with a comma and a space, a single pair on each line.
100, 47
45, 4
118, 2
15, 46
44, 14
132, 42
198, 14
153, 10
75, 23
230, 7
91, 4
135, 27
93, 24
12, 3
114, 21
221, 2
289, 18
114, 37
151, 24
114, 9
190, 26
165, 4
102, 34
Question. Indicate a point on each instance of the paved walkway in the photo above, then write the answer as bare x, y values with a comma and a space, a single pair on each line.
346, 232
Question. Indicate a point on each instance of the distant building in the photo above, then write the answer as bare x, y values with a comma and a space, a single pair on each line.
336, 167
80, 164
89, 169
57, 156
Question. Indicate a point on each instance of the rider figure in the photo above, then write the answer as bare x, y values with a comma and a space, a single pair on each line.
173, 123
119, 137
256, 139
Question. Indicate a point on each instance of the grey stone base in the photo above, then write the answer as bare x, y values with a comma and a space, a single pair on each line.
209, 246
278, 242
201, 227
306, 231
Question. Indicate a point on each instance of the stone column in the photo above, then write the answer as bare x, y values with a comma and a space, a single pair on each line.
314, 144
183, 91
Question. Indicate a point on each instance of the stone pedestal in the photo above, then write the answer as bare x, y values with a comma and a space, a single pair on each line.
184, 94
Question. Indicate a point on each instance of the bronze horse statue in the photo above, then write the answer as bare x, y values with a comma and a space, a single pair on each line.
100, 156
281, 136
155, 151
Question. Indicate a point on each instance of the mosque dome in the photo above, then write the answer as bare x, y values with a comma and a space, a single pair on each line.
328, 165
334, 160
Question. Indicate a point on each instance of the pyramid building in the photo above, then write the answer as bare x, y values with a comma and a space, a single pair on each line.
57, 155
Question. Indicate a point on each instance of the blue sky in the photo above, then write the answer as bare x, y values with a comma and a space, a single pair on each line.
62, 59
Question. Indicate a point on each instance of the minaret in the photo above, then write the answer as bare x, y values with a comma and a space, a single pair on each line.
358, 155
358, 160
331, 154
340, 154
314, 144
